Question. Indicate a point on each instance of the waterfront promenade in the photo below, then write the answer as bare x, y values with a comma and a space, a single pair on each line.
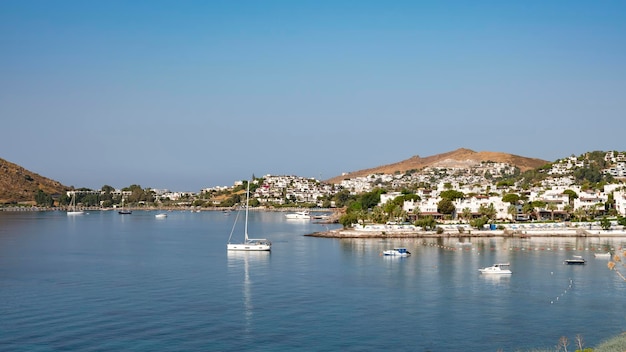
582, 229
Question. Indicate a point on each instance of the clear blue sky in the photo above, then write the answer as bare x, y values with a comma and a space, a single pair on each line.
191, 94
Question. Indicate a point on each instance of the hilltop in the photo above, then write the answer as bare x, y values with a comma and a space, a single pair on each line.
18, 185
458, 158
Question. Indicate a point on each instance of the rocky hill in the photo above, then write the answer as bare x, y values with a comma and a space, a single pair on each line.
18, 185
457, 158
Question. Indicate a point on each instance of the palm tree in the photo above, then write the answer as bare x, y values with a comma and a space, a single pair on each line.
528, 209
568, 210
552, 207
466, 214
512, 210
580, 213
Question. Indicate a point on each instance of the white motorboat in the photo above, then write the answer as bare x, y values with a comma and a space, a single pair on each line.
496, 269
575, 260
161, 216
249, 244
602, 255
299, 215
398, 252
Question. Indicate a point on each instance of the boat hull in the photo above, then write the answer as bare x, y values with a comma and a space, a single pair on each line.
248, 247
397, 252
575, 262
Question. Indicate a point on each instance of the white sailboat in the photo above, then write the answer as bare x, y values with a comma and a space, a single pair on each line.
71, 209
249, 244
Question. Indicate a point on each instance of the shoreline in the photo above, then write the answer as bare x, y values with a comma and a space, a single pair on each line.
564, 233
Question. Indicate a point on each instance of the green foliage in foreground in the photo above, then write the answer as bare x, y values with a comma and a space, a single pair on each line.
615, 344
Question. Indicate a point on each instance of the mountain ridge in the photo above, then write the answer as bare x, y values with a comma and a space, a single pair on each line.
448, 159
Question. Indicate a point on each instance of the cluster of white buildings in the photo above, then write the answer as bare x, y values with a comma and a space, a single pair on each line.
589, 201
472, 178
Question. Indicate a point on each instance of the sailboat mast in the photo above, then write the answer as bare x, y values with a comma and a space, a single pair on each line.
247, 201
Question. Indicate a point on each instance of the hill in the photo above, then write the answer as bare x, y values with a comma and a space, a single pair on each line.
18, 185
458, 158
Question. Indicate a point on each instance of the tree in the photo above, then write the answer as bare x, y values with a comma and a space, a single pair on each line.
348, 219
478, 222
512, 198
580, 214
605, 223
488, 212
43, 199
342, 197
378, 215
370, 199
427, 223
452, 195
466, 213
571, 195
552, 207
445, 206
512, 210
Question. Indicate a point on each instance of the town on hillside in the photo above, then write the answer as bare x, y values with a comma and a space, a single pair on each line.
588, 186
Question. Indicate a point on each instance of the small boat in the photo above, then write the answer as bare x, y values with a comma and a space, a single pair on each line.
124, 211
72, 209
575, 260
398, 252
602, 255
496, 269
160, 216
299, 215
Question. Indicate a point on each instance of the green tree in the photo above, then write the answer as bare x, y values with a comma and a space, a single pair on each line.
342, 197
446, 206
427, 223
605, 223
43, 199
571, 195
478, 222
347, 219
488, 212
370, 199
551, 207
466, 214
452, 195
512, 210
511, 198
580, 214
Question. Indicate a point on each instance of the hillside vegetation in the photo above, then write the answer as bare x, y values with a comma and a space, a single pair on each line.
457, 157
18, 185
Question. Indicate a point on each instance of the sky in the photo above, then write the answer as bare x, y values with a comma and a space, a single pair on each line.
185, 95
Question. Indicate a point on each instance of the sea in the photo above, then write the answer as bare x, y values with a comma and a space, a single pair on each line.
109, 282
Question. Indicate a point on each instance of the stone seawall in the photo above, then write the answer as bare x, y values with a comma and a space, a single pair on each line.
569, 232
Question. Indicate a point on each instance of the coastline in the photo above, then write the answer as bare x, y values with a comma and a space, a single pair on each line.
390, 232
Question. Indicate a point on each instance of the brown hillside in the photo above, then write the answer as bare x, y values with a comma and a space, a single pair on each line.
20, 185
456, 158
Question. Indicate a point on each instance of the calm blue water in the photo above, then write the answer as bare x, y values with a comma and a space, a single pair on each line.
108, 282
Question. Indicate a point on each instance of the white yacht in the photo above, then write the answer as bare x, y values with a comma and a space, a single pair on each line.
496, 269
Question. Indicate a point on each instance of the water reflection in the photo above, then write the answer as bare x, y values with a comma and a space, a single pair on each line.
246, 263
